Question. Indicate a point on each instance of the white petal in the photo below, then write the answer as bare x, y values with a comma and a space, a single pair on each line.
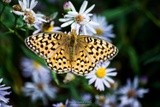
3, 87
112, 74
56, 28
50, 91
76, 27
89, 76
99, 84
109, 27
92, 80
129, 83
83, 7
140, 92
67, 23
22, 5
26, 2
3, 99
135, 83
89, 14
34, 97
83, 31
106, 83
33, 4
105, 64
36, 31
91, 28
89, 9
93, 23
29, 85
109, 79
64, 19
71, 14
72, 7
1, 80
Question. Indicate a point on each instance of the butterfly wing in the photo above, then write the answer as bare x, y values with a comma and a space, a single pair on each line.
51, 47
89, 51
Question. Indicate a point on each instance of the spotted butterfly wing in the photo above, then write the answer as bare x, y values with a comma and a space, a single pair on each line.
79, 57
89, 51
51, 46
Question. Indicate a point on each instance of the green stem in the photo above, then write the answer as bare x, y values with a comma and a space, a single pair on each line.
14, 29
3, 8
152, 18
15, 22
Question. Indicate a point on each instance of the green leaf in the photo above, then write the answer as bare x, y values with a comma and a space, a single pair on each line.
151, 56
112, 14
133, 58
54, 76
32, 55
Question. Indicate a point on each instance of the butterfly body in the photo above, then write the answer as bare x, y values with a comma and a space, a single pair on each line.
71, 52
72, 45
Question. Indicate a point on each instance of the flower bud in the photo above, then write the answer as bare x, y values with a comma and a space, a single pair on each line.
67, 6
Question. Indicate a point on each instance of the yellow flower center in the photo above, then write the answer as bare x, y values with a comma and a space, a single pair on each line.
36, 65
79, 18
101, 72
99, 31
47, 27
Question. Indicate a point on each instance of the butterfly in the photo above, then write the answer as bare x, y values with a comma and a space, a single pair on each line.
70, 52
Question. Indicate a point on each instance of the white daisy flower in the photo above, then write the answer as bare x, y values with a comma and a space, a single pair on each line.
25, 9
106, 101
24, 5
39, 90
35, 70
47, 26
103, 30
130, 93
101, 76
79, 21
3, 93
30, 17
61, 104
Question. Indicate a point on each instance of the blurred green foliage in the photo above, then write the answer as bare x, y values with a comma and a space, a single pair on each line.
136, 25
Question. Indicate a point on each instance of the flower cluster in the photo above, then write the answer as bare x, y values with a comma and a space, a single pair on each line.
83, 22
3, 93
80, 21
86, 23
124, 96
41, 22
130, 92
25, 9
40, 88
